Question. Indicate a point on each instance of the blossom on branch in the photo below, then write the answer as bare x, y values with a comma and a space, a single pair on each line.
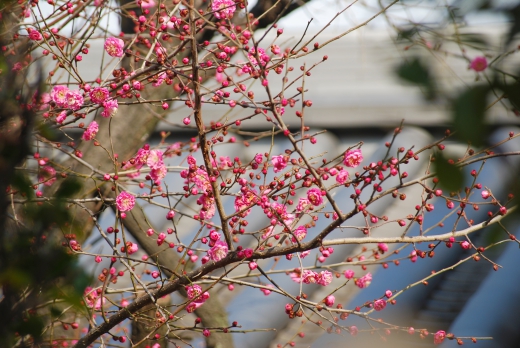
125, 201
223, 9
353, 158
114, 47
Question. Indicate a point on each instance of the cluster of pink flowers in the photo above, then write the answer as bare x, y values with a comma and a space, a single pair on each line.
199, 177
197, 297
99, 95
279, 163
314, 195
91, 131
154, 159
308, 276
439, 337
247, 198
114, 47
47, 175
364, 281
342, 177
379, 305
92, 298
353, 158
125, 201
223, 9
264, 58
299, 233
218, 251
65, 98
110, 108
479, 64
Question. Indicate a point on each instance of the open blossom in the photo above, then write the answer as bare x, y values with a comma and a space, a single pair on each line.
146, 3
155, 159
74, 100
61, 117
439, 337
218, 251
110, 108
125, 201
91, 131
35, 35
379, 305
208, 206
353, 158
47, 175
309, 276
314, 196
98, 95
324, 278
114, 47
193, 291
479, 64
223, 8
131, 248
299, 233
158, 174
58, 95
303, 205
364, 281
279, 163
342, 176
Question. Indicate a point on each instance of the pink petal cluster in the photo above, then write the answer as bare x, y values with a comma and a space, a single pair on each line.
247, 199
99, 95
479, 64
299, 233
353, 158
110, 108
279, 163
91, 131
125, 201
281, 211
314, 196
198, 297
35, 35
364, 281
47, 175
223, 8
58, 95
342, 177
324, 278
218, 251
303, 205
439, 337
379, 305
308, 276
92, 298
74, 100
114, 47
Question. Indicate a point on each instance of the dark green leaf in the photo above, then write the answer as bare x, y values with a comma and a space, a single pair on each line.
415, 71
469, 110
23, 184
68, 188
450, 176
48, 132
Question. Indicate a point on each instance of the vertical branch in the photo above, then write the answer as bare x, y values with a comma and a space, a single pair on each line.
197, 108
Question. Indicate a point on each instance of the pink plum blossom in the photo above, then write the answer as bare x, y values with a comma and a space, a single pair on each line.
364, 281
98, 95
479, 64
299, 233
379, 305
329, 300
324, 278
114, 47
218, 251
74, 100
91, 131
309, 277
125, 201
349, 274
314, 196
485, 194
279, 163
62, 116
110, 108
439, 337
353, 158
342, 177
35, 35
47, 175
58, 95
223, 8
